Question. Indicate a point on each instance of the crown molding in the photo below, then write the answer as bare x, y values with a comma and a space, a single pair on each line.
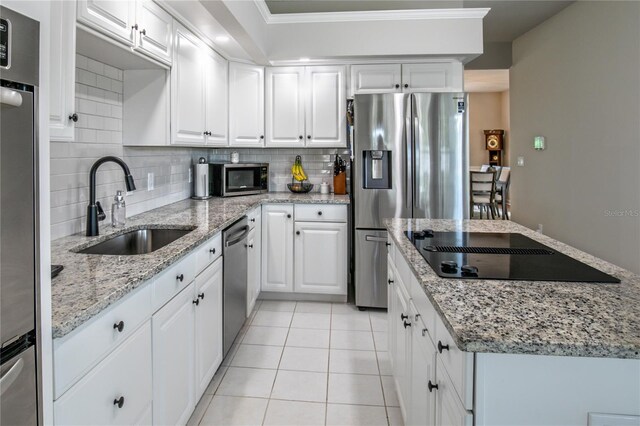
372, 15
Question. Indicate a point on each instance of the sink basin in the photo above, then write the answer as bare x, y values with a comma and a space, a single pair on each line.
140, 241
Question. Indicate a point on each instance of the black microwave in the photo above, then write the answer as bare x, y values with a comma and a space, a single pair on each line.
228, 180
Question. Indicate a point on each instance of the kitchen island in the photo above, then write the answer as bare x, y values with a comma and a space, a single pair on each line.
510, 352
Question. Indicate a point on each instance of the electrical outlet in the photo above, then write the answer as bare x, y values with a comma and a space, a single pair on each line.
539, 230
150, 181
190, 175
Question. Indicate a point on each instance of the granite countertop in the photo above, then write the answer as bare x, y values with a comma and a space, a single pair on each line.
541, 318
90, 283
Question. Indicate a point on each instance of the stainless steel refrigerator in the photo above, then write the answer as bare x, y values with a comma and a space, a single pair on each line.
410, 160
19, 52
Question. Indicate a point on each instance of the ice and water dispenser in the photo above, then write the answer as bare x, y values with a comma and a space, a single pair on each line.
377, 169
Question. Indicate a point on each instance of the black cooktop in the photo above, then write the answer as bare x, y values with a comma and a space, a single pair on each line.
500, 256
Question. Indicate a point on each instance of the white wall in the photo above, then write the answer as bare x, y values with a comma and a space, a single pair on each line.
576, 80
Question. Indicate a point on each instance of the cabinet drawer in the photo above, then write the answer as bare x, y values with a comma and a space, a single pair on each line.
254, 216
126, 374
423, 307
173, 280
403, 270
458, 364
320, 213
449, 409
208, 252
75, 353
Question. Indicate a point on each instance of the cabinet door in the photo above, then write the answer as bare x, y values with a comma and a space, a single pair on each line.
252, 277
112, 17
173, 360
421, 409
449, 408
392, 314
246, 105
382, 78
320, 261
187, 90
125, 373
216, 70
257, 252
284, 107
433, 77
62, 70
277, 247
402, 358
325, 113
155, 30
208, 326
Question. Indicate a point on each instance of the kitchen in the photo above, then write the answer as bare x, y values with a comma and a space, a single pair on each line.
109, 324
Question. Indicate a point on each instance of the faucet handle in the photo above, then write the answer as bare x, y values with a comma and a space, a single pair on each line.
101, 214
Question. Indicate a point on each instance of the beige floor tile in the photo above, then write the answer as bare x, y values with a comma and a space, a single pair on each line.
201, 408
312, 321
384, 364
306, 338
350, 339
257, 356
380, 340
356, 389
232, 411
232, 352
355, 415
345, 308
350, 322
294, 413
389, 388
379, 323
215, 382
305, 359
278, 305
300, 386
353, 362
252, 382
271, 336
272, 319
395, 416
314, 307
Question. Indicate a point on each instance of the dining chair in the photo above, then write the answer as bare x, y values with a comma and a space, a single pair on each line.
484, 167
503, 182
482, 192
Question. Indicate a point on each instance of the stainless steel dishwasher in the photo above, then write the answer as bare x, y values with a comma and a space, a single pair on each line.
234, 302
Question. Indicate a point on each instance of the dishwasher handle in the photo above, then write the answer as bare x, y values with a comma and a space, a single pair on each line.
238, 236
375, 239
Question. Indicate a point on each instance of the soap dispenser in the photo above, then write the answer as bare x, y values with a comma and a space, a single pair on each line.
118, 211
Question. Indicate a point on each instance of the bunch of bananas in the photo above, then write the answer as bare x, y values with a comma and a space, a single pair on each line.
297, 171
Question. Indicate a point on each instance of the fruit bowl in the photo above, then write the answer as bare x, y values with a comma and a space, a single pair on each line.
300, 187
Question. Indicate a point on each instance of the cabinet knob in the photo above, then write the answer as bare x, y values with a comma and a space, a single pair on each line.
406, 86
390, 282
201, 295
319, 213
212, 251
297, 232
406, 324
416, 316
442, 347
397, 86
403, 317
119, 402
288, 216
250, 245
300, 137
431, 386
143, 32
180, 277
261, 136
134, 27
308, 136
387, 244
119, 326
424, 332
74, 117
253, 219
196, 302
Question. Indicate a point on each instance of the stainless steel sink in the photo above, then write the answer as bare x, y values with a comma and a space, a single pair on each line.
140, 241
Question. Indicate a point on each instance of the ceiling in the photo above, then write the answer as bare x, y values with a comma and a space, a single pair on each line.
486, 80
507, 20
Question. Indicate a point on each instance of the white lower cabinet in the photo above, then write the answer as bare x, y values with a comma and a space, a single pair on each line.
253, 272
173, 360
423, 377
208, 325
117, 391
277, 247
321, 257
449, 409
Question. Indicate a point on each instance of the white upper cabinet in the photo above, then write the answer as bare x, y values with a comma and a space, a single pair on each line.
155, 30
382, 78
246, 105
216, 74
326, 121
305, 106
433, 77
187, 90
62, 71
114, 17
285, 106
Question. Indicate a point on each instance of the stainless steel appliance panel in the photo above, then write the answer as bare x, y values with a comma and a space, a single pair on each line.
235, 266
18, 404
380, 126
17, 215
440, 167
23, 48
371, 268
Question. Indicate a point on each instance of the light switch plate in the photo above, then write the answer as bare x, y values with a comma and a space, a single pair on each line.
150, 181
520, 162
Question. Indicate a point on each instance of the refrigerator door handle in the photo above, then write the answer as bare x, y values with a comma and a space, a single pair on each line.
10, 376
375, 239
408, 165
